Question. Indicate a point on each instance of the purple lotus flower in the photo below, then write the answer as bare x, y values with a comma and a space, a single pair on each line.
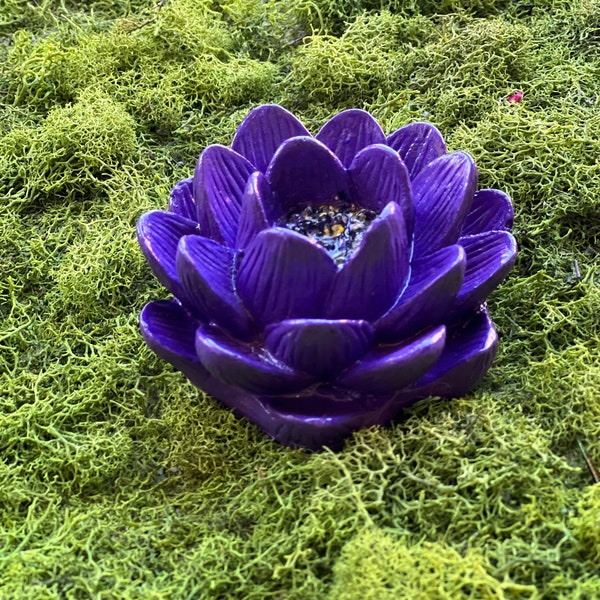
321, 284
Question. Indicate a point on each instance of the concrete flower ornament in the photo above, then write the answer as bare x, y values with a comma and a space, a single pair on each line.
321, 284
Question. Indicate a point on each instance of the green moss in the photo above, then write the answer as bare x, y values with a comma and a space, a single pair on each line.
377, 566
587, 525
349, 69
71, 152
118, 479
266, 29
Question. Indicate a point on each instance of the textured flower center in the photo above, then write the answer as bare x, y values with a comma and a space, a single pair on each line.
338, 229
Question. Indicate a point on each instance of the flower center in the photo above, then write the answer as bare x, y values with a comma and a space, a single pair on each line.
339, 229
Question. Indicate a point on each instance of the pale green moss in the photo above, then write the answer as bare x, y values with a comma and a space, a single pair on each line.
71, 152
377, 566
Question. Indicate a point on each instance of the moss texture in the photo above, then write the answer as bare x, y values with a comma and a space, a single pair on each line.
120, 480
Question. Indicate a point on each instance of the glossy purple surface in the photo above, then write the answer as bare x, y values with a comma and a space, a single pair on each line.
265, 320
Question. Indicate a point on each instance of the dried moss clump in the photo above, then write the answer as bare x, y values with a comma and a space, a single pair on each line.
348, 70
587, 525
378, 566
71, 152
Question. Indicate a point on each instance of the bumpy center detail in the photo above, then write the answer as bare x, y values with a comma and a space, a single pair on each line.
339, 229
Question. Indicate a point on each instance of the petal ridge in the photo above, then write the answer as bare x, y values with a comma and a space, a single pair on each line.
372, 278
205, 269
442, 195
433, 285
322, 347
348, 132
418, 144
219, 184
284, 275
263, 130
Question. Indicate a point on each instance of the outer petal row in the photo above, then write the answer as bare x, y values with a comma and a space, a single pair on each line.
470, 349
200, 349
219, 184
418, 144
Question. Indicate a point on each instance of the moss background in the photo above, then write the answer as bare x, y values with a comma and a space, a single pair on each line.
120, 480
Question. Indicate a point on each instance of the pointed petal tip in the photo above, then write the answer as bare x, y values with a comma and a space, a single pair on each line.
348, 132
471, 347
433, 285
219, 183
158, 234
491, 210
443, 193
388, 370
418, 144
490, 257
181, 200
263, 130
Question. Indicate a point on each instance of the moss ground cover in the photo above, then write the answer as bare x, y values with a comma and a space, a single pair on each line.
120, 480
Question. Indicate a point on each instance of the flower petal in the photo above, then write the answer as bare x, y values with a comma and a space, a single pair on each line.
491, 210
490, 256
159, 233
442, 193
318, 346
205, 270
263, 131
350, 131
182, 201
219, 183
253, 218
432, 287
378, 176
469, 352
370, 281
284, 275
303, 170
238, 364
418, 144
387, 370
170, 332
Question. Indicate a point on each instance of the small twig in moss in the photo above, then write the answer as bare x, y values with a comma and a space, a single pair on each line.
590, 463
158, 7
